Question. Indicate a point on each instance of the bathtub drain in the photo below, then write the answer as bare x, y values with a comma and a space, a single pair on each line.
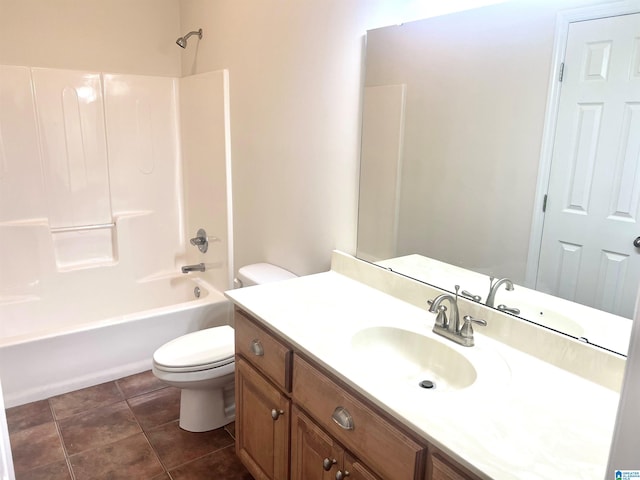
196, 292
427, 384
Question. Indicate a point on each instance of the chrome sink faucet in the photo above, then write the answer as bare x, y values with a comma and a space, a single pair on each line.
493, 288
193, 268
451, 328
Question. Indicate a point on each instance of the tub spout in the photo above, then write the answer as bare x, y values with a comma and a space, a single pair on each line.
193, 268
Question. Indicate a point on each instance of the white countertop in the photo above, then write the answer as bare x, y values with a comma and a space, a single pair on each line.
522, 419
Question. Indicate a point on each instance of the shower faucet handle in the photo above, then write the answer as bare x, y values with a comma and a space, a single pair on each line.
200, 240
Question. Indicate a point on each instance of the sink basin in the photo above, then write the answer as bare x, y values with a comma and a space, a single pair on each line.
558, 322
549, 318
396, 355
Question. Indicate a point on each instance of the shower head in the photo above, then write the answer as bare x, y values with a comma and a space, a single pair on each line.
182, 41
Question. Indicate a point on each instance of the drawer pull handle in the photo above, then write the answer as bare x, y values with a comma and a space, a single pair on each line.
340, 475
275, 414
257, 348
328, 463
343, 418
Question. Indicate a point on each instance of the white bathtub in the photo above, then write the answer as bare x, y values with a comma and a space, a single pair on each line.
53, 346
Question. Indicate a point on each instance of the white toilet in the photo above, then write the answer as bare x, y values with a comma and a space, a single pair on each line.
202, 363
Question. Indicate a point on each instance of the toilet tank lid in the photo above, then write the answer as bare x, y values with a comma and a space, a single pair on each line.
261, 273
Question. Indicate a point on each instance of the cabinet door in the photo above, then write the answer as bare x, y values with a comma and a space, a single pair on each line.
314, 454
262, 425
356, 470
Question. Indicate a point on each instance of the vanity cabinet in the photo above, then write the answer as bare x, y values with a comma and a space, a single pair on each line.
440, 467
317, 456
296, 421
378, 443
263, 408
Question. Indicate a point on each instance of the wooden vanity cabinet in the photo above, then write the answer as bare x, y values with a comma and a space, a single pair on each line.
356, 470
317, 456
378, 443
263, 408
290, 422
441, 467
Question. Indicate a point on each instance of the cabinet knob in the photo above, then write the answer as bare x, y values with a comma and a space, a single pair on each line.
257, 348
275, 414
328, 463
340, 475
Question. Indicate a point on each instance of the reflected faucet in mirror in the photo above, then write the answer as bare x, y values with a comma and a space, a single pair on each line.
493, 288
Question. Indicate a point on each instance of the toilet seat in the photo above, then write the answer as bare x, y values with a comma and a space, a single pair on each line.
202, 350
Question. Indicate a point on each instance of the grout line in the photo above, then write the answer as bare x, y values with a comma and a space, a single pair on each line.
119, 389
101, 405
61, 439
153, 448
206, 454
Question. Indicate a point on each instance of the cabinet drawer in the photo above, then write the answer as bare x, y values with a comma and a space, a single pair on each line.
375, 441
442, 468
263, 351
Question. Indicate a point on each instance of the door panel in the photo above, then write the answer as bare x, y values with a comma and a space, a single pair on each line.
314, 454
262, 441
587, 253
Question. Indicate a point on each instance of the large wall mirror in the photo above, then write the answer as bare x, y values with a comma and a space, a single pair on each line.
468, 134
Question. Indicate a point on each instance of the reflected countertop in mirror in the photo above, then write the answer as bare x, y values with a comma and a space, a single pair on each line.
456, 113
588, 324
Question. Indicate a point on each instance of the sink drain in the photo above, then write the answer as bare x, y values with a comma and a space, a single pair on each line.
427, 384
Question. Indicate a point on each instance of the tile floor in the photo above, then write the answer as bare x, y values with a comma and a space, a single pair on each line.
126, 429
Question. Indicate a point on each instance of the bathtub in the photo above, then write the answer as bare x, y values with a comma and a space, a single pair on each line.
52, 346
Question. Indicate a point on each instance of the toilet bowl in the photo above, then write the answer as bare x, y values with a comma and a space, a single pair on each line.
202, 363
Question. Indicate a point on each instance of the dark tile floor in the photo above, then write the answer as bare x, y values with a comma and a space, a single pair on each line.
127, 429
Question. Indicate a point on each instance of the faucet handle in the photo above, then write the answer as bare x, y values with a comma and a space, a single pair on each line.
512, 310
467, 329
200, 240
471, 296
441, 317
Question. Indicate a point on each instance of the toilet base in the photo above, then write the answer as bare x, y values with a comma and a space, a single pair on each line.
202, 410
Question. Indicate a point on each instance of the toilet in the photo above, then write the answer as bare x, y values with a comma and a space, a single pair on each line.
202, 363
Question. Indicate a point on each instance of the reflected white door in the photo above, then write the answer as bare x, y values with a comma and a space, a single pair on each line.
591, 222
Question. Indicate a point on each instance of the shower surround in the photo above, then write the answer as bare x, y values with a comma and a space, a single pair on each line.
96, 198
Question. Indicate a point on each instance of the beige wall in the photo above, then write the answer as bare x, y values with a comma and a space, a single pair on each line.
476, 91
295, 72
203, 125
121, 36
294, 69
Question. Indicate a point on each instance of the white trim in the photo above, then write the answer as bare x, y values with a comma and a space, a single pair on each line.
227, 158
563, 20
6, 460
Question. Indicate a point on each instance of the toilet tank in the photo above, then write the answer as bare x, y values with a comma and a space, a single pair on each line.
260, 273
